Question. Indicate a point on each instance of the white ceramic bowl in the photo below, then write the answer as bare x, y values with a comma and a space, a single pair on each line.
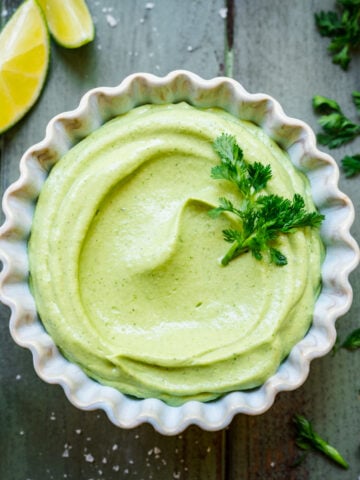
100, 105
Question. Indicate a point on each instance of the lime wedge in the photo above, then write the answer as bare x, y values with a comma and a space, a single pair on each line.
69, 22
24, 59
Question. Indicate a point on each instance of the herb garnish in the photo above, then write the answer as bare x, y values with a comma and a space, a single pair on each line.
351, 165
352, 341
307, 439
262, 217
338, 129
344, 30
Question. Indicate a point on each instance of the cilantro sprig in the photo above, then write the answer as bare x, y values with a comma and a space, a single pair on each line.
307, 439
262, 218
344, 30
338, 129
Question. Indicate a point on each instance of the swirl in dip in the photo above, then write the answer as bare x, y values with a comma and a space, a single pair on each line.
124, 259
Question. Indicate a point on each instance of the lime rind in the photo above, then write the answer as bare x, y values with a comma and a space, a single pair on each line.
11, 24
82, 31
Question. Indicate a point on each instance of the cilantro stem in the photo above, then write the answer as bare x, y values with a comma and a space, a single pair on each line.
234, 251
308, 438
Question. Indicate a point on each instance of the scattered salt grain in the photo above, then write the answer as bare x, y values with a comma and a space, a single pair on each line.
126, 471
111, 21
115, 446
78, 431
116, 468
104, 460
272, 464
176, 475
66, 453
52, 416
142, 20
89, 458
21, 432
157, 450
18, 377
223, 12
150, 5
190, 48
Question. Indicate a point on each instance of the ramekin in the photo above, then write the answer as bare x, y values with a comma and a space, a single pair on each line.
100, 105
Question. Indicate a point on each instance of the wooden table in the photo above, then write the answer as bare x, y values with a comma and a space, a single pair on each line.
270, 46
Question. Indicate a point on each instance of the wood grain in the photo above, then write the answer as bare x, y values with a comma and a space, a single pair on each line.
42, 436
278, 50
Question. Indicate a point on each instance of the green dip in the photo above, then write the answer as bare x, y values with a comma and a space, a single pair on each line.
124, 259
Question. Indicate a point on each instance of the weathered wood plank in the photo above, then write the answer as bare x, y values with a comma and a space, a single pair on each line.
277, 50
42, 436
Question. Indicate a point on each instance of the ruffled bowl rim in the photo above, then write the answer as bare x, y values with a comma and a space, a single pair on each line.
96, 107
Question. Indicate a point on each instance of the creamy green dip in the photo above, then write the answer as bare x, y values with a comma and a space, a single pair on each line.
124, 259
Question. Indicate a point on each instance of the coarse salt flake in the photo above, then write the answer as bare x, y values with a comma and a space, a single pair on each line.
89, 458
66, 453
223, 12
111, 20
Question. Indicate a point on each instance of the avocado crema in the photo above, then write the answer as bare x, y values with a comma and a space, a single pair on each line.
124, 259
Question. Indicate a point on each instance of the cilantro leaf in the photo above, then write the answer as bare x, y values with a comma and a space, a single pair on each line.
307, 439
337, 128
352, 342
261, 218
325, 105
351, 165
356, 100
343, 29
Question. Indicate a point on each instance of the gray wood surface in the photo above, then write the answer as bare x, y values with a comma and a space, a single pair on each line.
270, 46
